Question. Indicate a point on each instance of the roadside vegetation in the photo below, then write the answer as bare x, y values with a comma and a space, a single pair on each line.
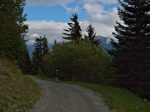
84, 62
120, 100
18, 93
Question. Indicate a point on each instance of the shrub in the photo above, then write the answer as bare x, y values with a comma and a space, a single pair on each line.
81, 62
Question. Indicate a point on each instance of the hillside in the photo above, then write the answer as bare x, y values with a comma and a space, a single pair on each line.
17, 91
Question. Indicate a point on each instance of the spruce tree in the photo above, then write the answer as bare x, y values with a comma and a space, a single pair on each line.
73, 33
91, 35
12, 28
41, 49
12, 32
132, 51
55, 42
24, 61
45, 45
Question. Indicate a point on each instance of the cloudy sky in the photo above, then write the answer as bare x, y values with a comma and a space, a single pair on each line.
50, 17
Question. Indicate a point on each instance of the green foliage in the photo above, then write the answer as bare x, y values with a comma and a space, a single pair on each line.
82, 61
120, 100
45, 45
132, 52
24, 61
13, 29
41, 49
91, 36
73, 33
18, 93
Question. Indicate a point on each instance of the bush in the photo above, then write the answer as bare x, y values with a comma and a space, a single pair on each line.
81, 62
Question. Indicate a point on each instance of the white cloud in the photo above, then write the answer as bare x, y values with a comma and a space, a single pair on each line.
30, 37
109, 18
102, 20
97, 13
93, 8
100, 1
54, 30
71, 9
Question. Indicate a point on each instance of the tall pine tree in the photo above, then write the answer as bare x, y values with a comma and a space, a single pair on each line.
132, 51
24, 61
12, 32
91, 35
12, 27
41, 49
73, 33
45, 45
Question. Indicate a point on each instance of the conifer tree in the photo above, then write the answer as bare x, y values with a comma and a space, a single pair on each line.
91, 35
41, 49
24, 61
12, 32
55, 42
132, 51
45, 45
73, 33
12, 28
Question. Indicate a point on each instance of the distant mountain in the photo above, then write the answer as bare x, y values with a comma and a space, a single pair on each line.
105, 42
30, 49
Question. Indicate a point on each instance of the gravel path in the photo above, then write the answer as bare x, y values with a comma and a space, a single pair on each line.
58, 97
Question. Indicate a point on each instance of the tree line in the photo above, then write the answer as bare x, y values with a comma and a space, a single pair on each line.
73, 34
12, 33
131, 54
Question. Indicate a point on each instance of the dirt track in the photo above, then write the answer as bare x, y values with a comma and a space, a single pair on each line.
58, 97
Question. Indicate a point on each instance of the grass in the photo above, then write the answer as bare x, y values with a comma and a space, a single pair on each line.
18, 93
43, 77
120, 100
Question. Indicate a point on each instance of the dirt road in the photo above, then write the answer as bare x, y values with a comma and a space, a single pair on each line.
58, 97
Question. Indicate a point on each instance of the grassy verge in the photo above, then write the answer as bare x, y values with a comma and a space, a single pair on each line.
43, 77
18, 92
120, 99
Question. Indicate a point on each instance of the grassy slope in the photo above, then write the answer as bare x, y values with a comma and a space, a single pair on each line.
120, 99
17, 91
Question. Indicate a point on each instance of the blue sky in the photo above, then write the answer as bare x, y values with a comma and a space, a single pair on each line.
50, 17
51, 13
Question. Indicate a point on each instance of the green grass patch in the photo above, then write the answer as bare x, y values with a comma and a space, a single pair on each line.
18, 92
43, 77
120, 100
